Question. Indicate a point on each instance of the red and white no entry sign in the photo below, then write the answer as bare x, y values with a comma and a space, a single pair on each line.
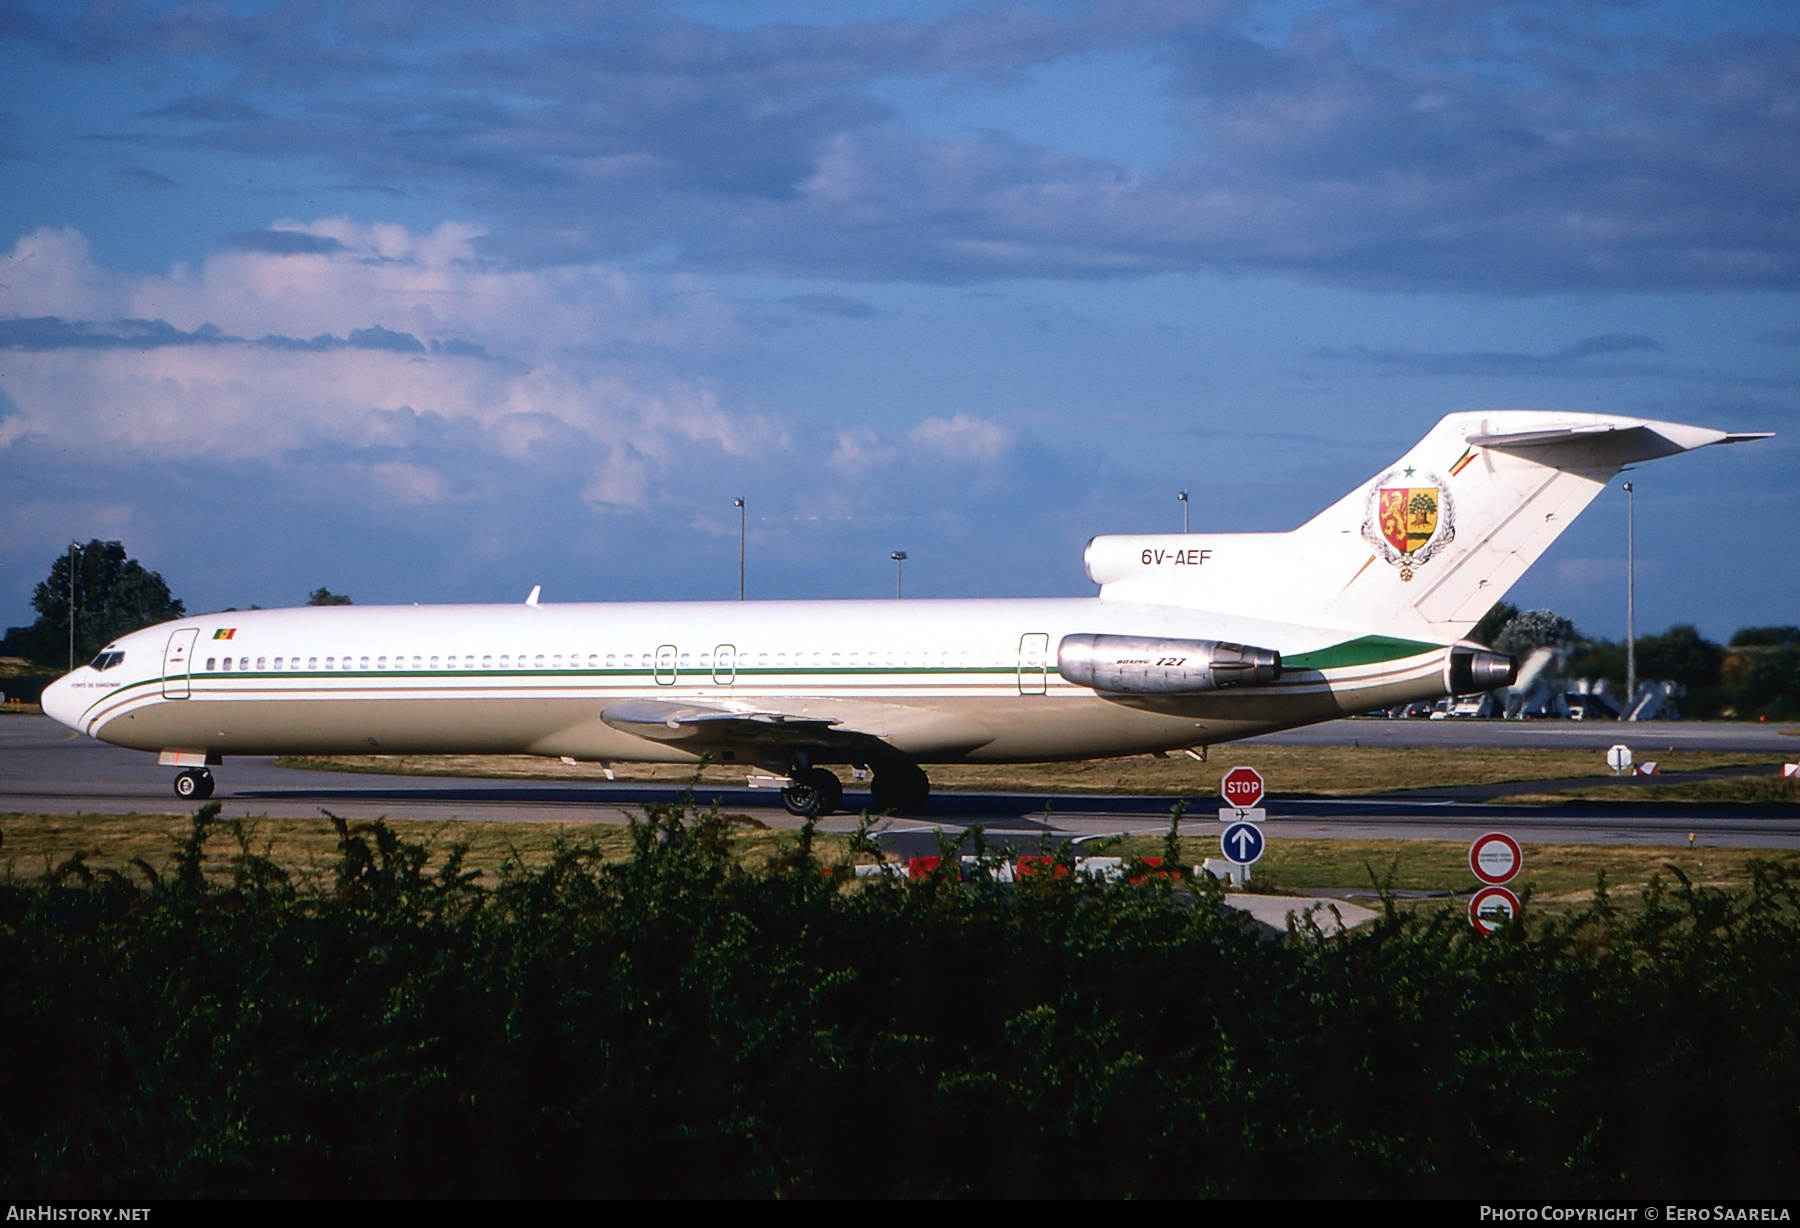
1242, 787
1493, 907
1495, 858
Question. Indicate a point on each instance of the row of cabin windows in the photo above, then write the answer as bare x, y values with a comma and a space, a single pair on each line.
647, 660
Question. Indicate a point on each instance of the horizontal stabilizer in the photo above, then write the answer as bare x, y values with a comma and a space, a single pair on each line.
1625, 443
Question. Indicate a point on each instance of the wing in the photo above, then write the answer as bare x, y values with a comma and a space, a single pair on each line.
874, 729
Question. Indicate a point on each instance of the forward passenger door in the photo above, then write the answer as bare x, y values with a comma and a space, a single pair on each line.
178, 661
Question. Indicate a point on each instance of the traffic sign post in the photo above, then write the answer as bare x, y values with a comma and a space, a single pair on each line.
1495, 858
1618, 758
1492, 908
1242, 843
1242, 788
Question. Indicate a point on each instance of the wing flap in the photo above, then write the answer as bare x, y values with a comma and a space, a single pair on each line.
668, 721
872, 728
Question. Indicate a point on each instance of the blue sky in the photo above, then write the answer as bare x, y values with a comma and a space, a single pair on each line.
435, 302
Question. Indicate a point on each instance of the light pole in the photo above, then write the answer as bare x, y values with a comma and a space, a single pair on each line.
1184, 510
1630, 599
74, 549
741, 514
899, 557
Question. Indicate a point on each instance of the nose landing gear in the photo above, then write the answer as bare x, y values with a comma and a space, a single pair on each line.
194, 784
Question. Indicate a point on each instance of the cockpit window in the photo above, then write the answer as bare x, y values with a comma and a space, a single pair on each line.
107, 660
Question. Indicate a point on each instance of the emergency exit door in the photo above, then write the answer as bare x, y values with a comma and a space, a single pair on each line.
1034, 663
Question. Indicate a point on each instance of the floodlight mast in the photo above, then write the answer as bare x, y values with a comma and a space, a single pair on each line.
1630, 601
899, 557
1183, 496
74, 549
741, 515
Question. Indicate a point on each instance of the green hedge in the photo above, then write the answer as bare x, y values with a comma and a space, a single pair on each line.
677, 1024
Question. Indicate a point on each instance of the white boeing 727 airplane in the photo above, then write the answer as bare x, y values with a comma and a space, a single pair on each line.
1193, 639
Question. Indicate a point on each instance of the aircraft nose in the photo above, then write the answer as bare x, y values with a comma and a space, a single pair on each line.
61, 702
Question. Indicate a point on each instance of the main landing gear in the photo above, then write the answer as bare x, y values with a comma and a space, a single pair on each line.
812, 791
193, 784
899, 786
816, 792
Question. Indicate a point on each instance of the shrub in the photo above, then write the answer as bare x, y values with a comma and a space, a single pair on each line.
678, 1024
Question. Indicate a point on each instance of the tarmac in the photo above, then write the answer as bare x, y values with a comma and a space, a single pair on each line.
45, 768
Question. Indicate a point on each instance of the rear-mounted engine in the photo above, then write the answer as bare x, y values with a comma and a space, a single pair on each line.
1144, 665
1472, 670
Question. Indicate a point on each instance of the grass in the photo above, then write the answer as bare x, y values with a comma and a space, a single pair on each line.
1322, 771
1748, 790
33, 845
1558, 874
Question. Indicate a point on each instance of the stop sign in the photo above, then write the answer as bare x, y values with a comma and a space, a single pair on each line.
1242, 787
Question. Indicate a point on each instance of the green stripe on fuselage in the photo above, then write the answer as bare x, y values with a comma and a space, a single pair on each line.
1368, 650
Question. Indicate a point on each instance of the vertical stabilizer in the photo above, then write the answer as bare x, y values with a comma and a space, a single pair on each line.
1424, 548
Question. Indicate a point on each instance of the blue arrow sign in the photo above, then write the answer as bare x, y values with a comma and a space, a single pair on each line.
1242, 843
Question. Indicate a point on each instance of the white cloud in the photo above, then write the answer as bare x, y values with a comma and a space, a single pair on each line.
412, 322
963, 438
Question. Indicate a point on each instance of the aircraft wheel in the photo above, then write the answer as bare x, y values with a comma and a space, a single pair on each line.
900, 786
194, 784
814, 791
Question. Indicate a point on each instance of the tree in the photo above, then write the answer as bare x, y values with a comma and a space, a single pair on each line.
1493, 622
324, 596
113, 595
1766, 637
1681, 655
1536, 629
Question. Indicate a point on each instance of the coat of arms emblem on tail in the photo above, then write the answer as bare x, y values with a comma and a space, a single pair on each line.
1408, 524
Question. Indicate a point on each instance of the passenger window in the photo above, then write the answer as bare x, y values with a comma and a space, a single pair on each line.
610, 657
330, 661
505, 661
855, 660
487, 663
277, 663
836, 659
227, 662
684, 661
434, 663
363, 664
706, 660
556, 661
380, 662
781, 660
212, 663
762, 659
262, 663
312, 663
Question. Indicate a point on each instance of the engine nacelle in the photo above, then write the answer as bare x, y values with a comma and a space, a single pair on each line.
1147, 665
1472, 670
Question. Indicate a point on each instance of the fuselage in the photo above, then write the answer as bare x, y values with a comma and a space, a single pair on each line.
937, 681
